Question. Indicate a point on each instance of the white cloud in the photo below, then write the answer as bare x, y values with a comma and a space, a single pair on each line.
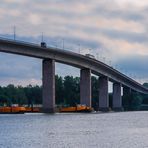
34, 19
117, 26
18, 82
141, 3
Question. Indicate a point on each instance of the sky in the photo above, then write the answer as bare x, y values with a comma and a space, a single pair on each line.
115, 31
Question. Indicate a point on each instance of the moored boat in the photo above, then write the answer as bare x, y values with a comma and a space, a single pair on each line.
77, 108
32, 109
14, 109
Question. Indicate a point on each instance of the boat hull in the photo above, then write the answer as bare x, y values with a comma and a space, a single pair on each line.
76, 109
12, 110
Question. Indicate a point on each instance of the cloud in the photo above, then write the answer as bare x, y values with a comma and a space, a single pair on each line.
136, 65
18, 82
19, 66
113, 29
34, 19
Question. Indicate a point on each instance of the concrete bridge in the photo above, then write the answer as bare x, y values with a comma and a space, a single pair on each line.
87, 66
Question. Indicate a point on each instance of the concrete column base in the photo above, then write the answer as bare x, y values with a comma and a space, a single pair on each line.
118, 109
48, 110
104, 109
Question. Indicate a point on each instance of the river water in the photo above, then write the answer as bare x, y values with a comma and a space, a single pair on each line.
79, 130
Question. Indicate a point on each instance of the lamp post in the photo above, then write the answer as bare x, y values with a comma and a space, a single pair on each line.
63, 43
14, 32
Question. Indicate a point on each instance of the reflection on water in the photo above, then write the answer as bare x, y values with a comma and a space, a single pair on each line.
108, 130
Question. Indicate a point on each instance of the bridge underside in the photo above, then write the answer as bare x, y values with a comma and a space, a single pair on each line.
85, 89
86, 64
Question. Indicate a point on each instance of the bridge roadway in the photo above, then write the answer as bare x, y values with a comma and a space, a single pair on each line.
88, 65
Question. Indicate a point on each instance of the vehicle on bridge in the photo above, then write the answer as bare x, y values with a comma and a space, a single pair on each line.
90, 56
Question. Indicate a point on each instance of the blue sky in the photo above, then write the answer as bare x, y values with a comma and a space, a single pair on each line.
115, 30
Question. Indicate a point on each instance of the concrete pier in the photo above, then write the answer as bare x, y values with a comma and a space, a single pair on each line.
117, 99
85, 87
48, 86
103, 94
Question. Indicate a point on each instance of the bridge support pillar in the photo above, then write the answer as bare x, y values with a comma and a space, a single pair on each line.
48, 86
117, 99
85, 87
103, 94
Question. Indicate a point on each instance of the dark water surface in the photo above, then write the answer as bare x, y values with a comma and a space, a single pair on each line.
109, 130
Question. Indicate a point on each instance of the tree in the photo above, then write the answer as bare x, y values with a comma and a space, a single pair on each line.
33, 94
132, 101
71, 90
136, 101
95, 92
21, 96
145, 96
59, 89
11, 92
3, 100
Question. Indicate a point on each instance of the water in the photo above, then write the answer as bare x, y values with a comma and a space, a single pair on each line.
108, 130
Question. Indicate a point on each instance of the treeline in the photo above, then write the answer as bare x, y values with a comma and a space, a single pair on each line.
145, 97
20, 95
67, 93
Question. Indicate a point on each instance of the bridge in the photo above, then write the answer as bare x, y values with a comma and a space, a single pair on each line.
87, 66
